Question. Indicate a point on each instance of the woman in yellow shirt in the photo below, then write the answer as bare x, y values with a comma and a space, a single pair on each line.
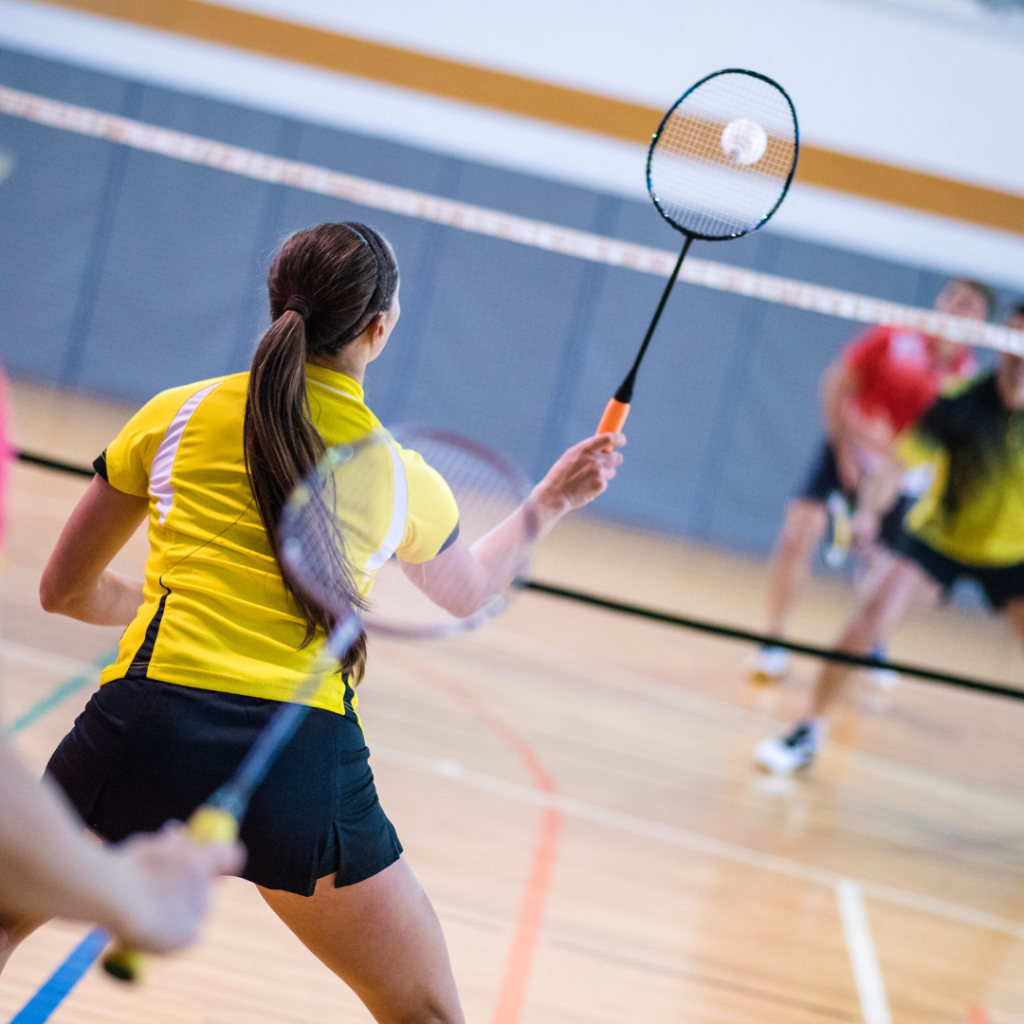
215, 636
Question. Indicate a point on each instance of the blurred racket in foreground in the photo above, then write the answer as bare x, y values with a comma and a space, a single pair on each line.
338, 536
719, 166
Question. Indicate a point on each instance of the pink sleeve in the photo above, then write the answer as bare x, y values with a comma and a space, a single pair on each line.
866, 349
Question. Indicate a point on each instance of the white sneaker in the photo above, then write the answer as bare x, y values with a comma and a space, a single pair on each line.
794, 750
769, 664
883, 678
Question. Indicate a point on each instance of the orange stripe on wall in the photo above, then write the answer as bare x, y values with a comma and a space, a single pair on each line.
526, 97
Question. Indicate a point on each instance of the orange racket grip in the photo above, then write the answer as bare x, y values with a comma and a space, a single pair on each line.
614, 419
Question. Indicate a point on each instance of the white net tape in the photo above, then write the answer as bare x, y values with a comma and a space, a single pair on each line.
495, 224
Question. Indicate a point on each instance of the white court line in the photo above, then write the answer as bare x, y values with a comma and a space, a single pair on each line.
866, 973
46, 661
694, 841
478, 219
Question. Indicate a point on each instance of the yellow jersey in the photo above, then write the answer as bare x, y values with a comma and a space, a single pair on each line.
216, 614
973, 512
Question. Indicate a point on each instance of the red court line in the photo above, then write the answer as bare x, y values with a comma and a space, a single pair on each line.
512, 993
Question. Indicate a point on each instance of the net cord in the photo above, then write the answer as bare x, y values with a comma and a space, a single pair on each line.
490, 223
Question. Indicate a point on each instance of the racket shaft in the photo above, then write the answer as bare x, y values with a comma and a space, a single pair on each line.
234, 795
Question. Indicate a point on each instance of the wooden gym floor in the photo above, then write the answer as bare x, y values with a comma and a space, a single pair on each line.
575, 791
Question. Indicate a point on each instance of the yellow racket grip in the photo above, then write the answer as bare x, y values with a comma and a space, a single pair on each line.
614, 419
206, 826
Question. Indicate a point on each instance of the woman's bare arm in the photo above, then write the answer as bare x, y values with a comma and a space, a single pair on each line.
150, 891
76, 581
462, 578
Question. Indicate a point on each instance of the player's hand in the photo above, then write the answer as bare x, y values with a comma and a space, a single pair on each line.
581, 473
167, 886
864, 527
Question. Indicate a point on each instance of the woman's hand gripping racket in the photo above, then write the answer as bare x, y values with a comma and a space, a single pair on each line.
719, 166
339, 535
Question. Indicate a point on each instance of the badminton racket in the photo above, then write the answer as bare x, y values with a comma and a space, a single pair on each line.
719, 166
341, 537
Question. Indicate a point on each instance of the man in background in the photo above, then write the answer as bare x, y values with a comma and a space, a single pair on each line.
880, 385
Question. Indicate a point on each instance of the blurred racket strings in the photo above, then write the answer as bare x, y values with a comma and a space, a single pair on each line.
702, 177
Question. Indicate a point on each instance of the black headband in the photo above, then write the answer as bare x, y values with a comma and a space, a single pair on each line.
381, 292
300, 305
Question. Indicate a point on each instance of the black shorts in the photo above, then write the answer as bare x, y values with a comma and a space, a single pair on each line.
1000, 583
143, 752
823, 480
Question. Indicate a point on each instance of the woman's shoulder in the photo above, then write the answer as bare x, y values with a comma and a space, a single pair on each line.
168, 403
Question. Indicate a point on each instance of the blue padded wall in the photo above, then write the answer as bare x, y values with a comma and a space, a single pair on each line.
123, 273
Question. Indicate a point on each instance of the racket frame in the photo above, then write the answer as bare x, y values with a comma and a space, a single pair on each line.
615, 413
661, 128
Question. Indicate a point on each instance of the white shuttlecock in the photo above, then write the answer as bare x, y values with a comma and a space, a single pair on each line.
744, 141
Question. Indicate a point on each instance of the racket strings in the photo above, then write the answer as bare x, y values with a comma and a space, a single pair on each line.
314, 546
724, 156
487, 492
330, 527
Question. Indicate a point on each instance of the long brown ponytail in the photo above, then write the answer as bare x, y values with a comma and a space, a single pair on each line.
326, 286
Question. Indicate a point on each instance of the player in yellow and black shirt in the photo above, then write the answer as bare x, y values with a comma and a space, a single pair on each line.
969, 524
216, 638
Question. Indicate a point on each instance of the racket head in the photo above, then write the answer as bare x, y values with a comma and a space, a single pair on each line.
724, 155
487, 489
339, 551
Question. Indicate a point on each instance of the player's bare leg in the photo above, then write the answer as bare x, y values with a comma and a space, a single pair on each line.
12, 934
801, 533
1015, 613
805, 524
383, 939
904, 586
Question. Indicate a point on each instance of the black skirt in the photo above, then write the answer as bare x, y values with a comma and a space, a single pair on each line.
144, 752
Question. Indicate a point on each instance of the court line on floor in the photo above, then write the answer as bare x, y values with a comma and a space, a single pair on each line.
867, 975
1003, 809
45, 660
87, 674
515, 980
695, 841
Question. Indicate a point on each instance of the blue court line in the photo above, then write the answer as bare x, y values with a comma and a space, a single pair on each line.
57, 696
83, 956
63, 980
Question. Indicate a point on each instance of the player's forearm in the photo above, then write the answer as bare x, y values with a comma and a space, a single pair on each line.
462, 579
48, 868
111, 600
880, 487
835, 392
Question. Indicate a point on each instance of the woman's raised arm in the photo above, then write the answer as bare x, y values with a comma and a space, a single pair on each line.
462, 578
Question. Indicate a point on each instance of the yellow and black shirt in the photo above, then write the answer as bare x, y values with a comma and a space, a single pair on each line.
973, 512
216, 613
